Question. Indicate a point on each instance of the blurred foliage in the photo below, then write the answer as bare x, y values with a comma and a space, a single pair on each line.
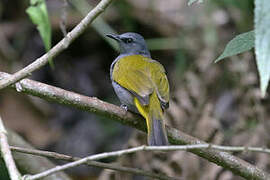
101, 26
246, 8
246, 41
126, 10
242, 5
217, 102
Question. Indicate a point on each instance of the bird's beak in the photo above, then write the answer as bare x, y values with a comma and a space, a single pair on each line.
114, 36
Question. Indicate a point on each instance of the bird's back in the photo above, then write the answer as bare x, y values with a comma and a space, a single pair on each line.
142, 76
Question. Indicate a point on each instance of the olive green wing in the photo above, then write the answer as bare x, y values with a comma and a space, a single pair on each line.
141, 76
161, 83
132, 73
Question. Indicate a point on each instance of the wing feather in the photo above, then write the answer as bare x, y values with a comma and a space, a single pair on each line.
141, 76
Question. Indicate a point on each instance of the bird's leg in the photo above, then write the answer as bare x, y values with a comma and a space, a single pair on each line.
123, 106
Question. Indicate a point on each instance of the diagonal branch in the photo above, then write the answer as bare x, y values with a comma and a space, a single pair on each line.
6, 154
59, 47
94, 105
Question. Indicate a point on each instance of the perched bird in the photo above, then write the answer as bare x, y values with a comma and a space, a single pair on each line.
141, 84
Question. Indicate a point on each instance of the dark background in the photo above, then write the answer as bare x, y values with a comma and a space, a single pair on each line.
219, 103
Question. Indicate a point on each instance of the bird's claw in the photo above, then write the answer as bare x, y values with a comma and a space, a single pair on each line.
123, 106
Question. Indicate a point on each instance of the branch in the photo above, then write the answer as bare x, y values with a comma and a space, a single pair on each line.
59, 47
6, 154
100, 25
64, 157
59, 156
94, 105
141, 148
85, 160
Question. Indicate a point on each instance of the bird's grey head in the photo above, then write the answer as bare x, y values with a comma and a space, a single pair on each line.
131, 43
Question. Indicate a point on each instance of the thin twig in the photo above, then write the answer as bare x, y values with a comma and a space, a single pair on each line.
63, 20
144, 148
99, 25
6, 154
83, 161
94, 105
59, 47
59, 156
64, 157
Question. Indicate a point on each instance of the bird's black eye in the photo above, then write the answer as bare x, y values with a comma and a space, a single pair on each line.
127, 40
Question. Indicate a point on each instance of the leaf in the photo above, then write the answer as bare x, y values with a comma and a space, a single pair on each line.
262, 42
38, 14
190, 2
237, 45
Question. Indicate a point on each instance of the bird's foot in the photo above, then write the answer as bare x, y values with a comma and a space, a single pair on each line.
123, 106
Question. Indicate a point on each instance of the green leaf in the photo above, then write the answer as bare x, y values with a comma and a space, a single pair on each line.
38, 14
190, 2
262, 42
237, 45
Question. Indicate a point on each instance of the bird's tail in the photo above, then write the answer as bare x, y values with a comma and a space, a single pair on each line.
154, 119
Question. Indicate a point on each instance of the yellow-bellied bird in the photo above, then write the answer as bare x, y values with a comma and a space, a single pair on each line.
141, 84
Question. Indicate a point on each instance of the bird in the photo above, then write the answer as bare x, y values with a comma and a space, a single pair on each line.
141, 84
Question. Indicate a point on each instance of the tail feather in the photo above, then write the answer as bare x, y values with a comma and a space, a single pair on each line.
157, 136
153, 115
